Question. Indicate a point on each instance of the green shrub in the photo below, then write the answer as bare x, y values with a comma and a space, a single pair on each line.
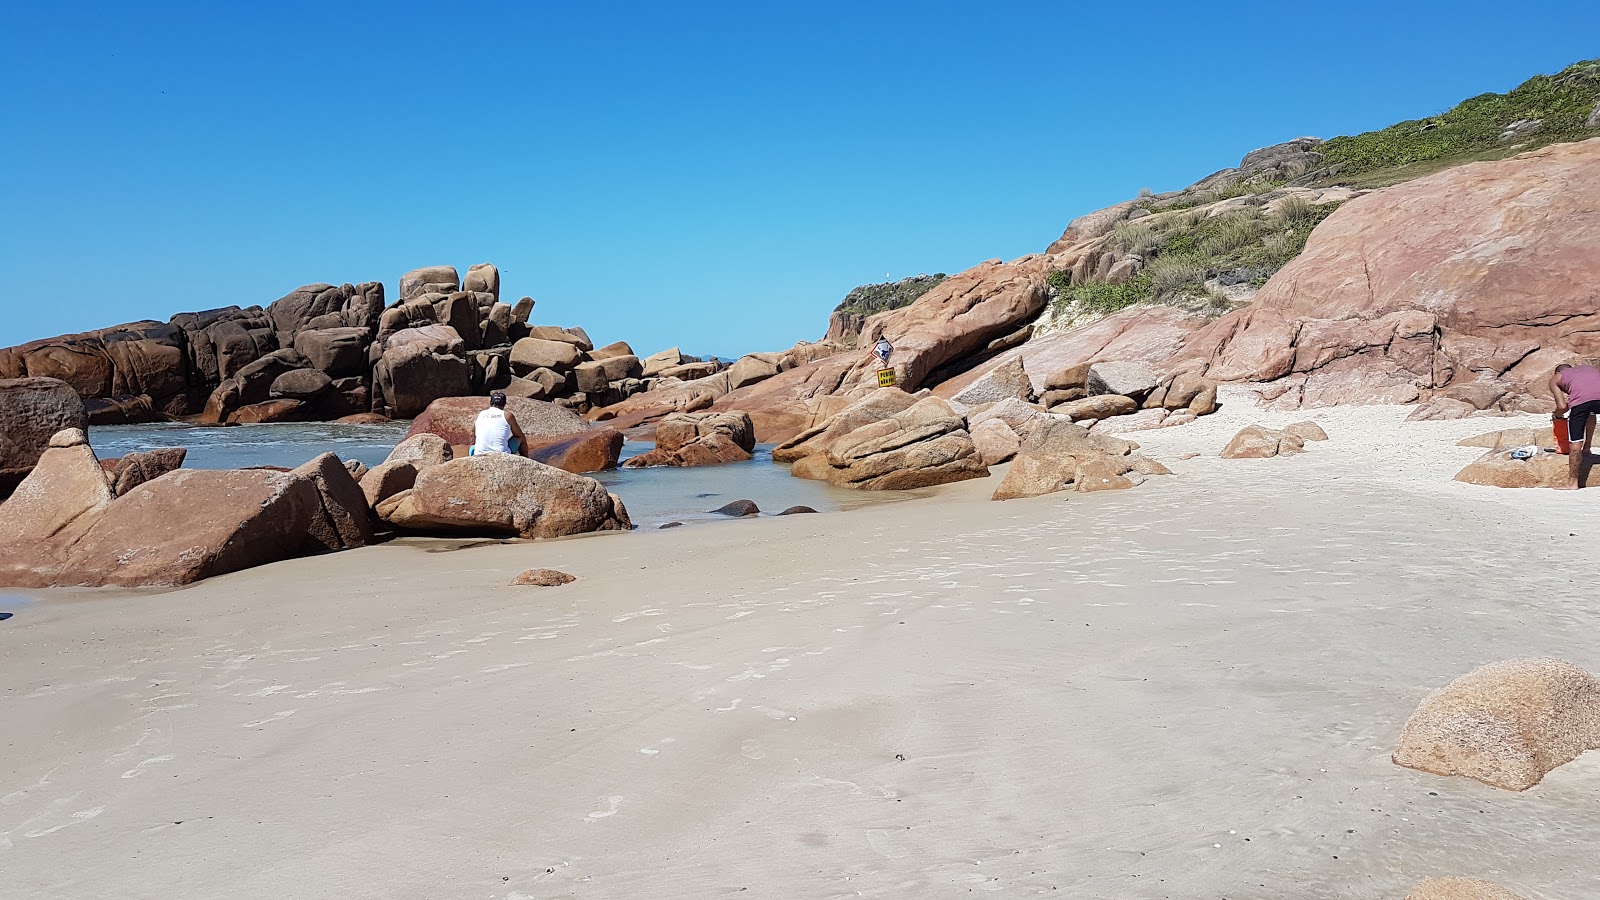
1137, 236
1296, 210
1174, 276
1472, 128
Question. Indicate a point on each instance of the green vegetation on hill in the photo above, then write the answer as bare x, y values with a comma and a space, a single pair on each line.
1189, 258
1545, 109
1185, 250
875, 298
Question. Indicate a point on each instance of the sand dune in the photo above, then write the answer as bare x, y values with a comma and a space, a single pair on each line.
1186, 690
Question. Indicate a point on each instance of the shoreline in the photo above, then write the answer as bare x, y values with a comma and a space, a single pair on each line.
1186, 689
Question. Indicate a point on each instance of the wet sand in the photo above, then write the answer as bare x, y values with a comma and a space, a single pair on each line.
1190, 689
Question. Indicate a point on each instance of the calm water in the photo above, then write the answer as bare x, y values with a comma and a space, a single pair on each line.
653, 496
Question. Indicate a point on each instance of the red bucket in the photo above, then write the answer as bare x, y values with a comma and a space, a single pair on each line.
1563, 444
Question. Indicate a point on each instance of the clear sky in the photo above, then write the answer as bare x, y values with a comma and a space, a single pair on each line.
710, 175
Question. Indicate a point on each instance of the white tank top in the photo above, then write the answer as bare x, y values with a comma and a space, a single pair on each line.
492, 432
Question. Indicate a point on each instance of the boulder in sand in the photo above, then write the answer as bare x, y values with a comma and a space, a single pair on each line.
542, 578
995, 440
501, 495
1507, 724
1306, 431
1258, 442
1130, 379
738, 509
1060, 456
1498, 468
1460, 889
879, 404
1007, 381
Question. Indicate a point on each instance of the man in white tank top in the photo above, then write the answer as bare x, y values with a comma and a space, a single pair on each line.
496, 429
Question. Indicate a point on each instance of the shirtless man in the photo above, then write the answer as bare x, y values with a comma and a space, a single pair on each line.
496, 429
1577, 392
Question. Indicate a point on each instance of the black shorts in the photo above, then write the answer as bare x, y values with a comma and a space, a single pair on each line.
1578, 420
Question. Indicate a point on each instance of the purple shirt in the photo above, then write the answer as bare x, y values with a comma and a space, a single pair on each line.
1581, 384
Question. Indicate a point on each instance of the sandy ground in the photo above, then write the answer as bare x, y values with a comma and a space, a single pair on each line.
1186, 690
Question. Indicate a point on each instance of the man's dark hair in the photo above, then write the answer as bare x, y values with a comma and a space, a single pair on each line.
497, 398
1563, 367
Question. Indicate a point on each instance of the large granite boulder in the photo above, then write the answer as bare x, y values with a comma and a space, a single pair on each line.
65, 492
501, 495
342, 519
482, 278
592, 450
699, 439
595, 375
184, 526
223, 341
31, 411
1498, 468
533, 353
252, 384
1007, 381
413, 374
875, 406
317, 307
429, 280
1507, 724
923, 446
1481, 271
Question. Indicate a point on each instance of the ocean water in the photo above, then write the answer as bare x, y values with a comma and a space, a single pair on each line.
653, 496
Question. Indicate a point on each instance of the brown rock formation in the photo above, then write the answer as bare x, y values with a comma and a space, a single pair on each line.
31, 411
925, 445
1258, 442
343, 520
1482, 273
1497, 468
592, 450
1058, 455
64, 494
500, 495
1507, 724
699, 439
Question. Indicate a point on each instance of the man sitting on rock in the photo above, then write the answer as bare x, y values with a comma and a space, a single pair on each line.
1577, 392
496, 429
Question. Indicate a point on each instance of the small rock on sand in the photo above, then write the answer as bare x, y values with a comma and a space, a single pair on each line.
542, 578
796, 510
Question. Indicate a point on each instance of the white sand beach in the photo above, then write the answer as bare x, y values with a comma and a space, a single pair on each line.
1189, 689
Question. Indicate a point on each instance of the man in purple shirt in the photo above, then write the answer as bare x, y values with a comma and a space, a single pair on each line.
1577, 391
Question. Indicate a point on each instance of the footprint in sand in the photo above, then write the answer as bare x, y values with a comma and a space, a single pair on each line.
138, 770
78, 818
654, 749
612, 803
270, 719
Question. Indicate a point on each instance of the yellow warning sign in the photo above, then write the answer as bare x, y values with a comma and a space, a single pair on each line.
885, 378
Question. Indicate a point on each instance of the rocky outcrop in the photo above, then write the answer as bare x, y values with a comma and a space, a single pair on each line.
31, 411
454, 419
1059, 455
699, 439
1498, 468
1507, 724
591, 450
1479, 275
500, 495
877, 405
922, 446
850, 316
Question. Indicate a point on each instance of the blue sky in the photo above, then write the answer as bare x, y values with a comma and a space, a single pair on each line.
710, 175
